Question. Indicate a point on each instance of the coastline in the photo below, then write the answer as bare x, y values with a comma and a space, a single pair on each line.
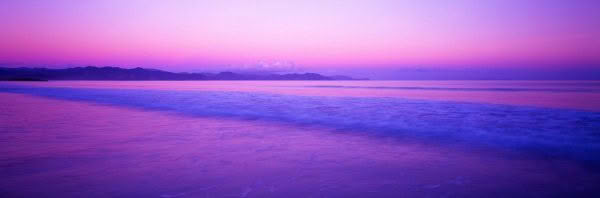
194, 156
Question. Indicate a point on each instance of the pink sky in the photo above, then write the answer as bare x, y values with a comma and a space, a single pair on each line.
189, 35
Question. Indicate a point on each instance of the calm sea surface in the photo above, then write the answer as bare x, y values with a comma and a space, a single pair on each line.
300, 139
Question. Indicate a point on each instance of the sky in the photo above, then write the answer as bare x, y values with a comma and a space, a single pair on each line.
372, 37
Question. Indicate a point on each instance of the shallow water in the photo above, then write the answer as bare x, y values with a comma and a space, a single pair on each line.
581, 95
298, 139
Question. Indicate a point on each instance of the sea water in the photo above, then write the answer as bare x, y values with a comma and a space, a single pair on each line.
299, 138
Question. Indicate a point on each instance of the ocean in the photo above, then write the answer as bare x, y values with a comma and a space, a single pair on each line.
300, 139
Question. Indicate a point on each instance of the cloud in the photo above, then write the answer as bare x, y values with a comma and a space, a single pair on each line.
276, 66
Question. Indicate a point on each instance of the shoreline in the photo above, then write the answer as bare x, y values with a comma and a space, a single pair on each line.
208, 156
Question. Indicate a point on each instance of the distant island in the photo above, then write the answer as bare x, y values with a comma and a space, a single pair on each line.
117, 73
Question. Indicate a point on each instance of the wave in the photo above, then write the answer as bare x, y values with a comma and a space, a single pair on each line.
554, 131
462, 88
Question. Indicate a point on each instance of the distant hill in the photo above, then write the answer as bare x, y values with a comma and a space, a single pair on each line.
116, 73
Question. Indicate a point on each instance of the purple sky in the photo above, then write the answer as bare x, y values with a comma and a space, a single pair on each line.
328, 36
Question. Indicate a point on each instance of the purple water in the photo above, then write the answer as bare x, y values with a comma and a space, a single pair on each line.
300, 139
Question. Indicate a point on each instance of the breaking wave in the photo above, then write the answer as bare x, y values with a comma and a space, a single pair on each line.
460, 88
566, 132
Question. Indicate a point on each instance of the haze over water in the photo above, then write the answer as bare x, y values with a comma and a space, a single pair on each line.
299, 138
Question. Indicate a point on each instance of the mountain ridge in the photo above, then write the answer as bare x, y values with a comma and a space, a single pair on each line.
138, 73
